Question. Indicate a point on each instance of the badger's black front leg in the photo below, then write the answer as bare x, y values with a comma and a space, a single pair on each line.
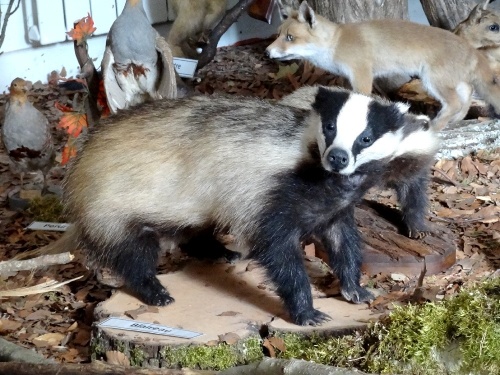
413, 199
343, 244
281, 256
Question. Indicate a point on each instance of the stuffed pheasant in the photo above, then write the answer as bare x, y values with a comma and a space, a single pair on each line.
137, 63
26, 134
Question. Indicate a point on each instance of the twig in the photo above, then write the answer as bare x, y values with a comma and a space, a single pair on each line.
48, 286
8, 13
30, 264
447, 178
418, 292
89, 73
229, 18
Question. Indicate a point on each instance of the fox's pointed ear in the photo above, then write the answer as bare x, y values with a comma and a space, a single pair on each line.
306, 14
477, 11
284, 10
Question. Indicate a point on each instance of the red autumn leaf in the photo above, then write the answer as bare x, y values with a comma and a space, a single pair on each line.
73, 123
68, 152
63, 107
82, 30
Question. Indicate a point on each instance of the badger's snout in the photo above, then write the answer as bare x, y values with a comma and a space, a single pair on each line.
338, 159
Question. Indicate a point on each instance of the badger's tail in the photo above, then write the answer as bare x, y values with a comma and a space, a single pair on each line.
67, 242
487, 84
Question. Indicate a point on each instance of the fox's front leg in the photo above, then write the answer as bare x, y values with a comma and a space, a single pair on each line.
342, 242
361, 78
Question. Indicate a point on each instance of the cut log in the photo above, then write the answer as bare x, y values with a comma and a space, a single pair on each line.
386, 251
228, 304
360, 10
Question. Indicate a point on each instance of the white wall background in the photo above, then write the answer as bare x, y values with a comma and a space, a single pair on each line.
36, 42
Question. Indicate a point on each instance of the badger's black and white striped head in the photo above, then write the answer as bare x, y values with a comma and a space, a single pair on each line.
353, 130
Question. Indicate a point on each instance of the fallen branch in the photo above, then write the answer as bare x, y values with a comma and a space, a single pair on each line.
8, 13
34, 263
225, 23
49, 286
445, 176
273, 366
10, 352
95, 368
89, 73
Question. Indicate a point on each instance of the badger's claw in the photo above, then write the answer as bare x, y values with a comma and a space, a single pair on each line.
419, 232
311, 318
357, 294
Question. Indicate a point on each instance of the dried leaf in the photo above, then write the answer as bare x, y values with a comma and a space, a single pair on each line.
229, 338
277, 343
467, 167
62, 107
82, 30
117, 358
49, 339
270, 348
287, 70
229, 313
7, 325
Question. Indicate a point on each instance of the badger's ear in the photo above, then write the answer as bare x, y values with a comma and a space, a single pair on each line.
329, 102
322, 96
306, 14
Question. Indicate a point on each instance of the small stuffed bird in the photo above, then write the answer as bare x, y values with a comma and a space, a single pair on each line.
26, 134
137, 63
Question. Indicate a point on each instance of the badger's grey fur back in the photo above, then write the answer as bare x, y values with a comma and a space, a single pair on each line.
184, 168
168, 160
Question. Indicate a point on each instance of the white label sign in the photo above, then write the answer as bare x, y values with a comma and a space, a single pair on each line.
157, 329
185, 67
43, 225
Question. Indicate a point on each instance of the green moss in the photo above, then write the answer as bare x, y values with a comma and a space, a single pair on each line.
120, 346
47, 208
457, 336
97, 349
251, 350
345, 351
137, 357
218, 357
418, 339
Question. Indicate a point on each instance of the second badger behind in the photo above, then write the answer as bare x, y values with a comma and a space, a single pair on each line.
275, 175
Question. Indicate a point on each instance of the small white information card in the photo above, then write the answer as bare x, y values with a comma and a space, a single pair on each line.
157, 329
43, 225
185, 67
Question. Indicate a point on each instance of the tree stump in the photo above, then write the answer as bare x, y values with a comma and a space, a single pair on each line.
360, 10
447, 14
229, 304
